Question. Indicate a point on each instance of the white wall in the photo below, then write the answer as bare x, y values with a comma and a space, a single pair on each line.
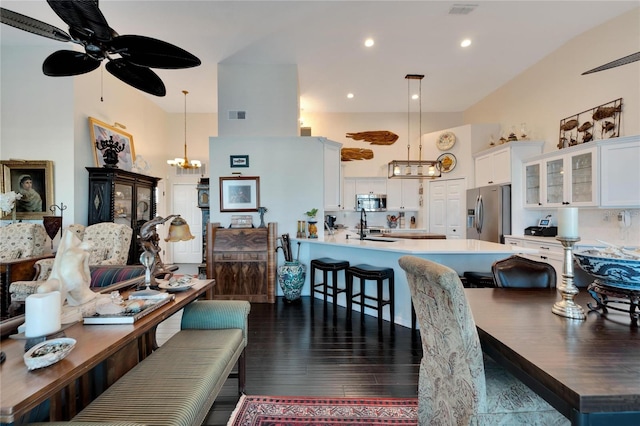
267, 93
553, 89
290, 171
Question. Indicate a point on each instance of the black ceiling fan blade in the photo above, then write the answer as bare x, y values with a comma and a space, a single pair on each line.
84, 18
622, 61
151, 52
31, 25
65, 63
141, 78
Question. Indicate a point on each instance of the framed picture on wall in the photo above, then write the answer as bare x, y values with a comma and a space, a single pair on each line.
103, 136
238, 161
34, 181
239, 194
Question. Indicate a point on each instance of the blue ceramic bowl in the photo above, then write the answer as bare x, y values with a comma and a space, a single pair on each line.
622, 273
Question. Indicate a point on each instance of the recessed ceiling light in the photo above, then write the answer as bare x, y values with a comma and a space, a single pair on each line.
350, 95
414, 97
369, 42
465, 43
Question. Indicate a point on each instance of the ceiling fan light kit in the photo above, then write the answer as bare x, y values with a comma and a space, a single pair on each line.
130, 56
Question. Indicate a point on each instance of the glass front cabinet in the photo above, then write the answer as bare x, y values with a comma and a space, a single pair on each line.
123, 197
561, 180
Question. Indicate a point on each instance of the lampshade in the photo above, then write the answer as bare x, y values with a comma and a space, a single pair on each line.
184, 162
414, 169
179, 231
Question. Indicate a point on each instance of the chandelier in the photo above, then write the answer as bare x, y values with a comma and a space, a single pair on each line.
184, 162
414, 169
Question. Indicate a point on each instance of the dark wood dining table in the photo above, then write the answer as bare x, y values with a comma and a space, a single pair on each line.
121, 346
588, 370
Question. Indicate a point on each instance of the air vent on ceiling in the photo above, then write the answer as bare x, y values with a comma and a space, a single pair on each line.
200, 171
237, 115
462, 9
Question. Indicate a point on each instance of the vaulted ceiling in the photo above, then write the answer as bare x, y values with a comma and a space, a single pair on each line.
326, 40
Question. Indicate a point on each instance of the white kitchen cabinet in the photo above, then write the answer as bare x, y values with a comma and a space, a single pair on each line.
361, 185
403, 194
332, 176
533, 184
493, 168
568, 177
502, 164
620, 173
571, 179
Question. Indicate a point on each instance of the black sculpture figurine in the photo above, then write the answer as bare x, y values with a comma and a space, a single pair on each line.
110, 150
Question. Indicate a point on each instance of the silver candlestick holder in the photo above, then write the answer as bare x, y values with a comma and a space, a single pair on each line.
567, 307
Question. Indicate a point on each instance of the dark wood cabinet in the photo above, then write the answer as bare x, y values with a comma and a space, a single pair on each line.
124, 197
243, 263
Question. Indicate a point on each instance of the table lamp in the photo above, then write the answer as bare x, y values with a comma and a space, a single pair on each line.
150, 258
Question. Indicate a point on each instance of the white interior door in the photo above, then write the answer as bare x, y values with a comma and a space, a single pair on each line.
185, 203
447, 207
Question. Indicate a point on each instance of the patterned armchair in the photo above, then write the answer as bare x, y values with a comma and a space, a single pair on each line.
109, 246
456, 385
20, 240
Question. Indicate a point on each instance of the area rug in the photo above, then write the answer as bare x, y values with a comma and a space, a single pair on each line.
323, 411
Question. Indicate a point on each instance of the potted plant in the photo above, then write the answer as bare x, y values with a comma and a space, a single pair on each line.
311, 220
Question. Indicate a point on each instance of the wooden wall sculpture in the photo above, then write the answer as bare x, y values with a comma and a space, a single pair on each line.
351, 154
375, 137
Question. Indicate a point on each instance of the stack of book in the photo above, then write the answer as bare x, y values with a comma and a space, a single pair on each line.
151, 303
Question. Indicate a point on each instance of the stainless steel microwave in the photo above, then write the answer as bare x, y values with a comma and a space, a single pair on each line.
371, 202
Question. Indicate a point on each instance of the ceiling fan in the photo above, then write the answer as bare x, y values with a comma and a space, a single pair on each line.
622, 61
130, 56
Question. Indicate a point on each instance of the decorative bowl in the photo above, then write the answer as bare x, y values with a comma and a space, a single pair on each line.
48, 352
615, 272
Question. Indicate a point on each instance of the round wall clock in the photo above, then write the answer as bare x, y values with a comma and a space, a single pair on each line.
446, 141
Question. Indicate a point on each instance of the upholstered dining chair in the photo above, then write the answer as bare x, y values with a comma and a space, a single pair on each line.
457, 385
520, 272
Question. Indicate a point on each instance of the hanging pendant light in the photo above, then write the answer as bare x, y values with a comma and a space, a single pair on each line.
184, 162
414, 169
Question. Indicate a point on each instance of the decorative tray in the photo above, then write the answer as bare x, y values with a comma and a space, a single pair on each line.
48, 352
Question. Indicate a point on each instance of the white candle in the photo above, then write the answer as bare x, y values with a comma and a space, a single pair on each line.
42, 314
568, 222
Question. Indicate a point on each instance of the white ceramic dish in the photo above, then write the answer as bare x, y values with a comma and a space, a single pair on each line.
48, 352
173, 286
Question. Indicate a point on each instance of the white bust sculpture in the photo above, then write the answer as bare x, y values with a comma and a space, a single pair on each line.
70, 272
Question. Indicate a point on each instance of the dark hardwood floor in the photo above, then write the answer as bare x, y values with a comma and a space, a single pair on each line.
296, 353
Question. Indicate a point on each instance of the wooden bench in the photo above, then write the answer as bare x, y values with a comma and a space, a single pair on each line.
178, 383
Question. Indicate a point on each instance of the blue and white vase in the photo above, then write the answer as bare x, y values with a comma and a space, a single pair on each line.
291, 278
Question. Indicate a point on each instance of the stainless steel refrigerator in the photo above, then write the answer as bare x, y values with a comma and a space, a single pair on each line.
489, 213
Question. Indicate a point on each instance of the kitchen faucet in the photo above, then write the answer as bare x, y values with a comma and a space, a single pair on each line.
330, 229
363, 223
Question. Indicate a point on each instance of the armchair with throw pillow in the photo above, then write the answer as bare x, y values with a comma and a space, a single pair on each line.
109, 246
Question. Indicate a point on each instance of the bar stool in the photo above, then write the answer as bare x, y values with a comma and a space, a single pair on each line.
478, 279
326, 265
379, 275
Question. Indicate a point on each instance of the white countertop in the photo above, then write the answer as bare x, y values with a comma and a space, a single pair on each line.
409, 246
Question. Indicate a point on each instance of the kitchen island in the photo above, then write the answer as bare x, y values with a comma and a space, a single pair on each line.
459, 255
